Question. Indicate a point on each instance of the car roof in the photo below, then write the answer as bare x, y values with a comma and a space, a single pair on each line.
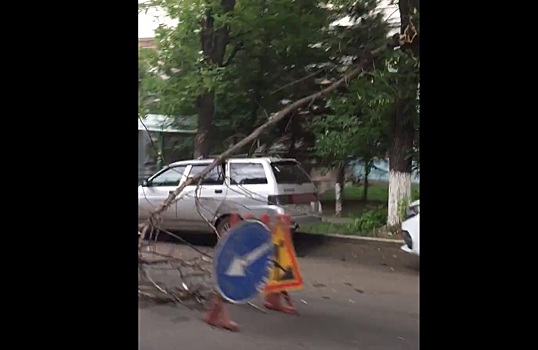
233, 160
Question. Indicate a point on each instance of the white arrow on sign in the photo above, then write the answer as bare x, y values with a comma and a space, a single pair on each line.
238, 265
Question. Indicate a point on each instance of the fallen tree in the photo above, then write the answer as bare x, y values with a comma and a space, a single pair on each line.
395, 41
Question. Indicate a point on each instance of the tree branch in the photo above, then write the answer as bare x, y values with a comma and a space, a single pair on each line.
261, 129
298, 81
234, 52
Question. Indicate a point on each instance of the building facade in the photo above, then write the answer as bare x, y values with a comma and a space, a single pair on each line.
147, 43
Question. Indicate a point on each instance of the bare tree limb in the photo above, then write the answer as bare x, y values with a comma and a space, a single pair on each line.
262, 128
298, 80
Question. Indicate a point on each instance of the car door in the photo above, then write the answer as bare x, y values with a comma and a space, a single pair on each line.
195, 208
156, 191
248, 189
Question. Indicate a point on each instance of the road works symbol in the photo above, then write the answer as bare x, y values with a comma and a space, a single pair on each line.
285, 274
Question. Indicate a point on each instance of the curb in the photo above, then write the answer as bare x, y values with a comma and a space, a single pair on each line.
337, 221
374, 239
350, 239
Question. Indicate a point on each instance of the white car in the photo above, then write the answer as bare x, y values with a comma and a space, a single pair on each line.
246, 186
411, 229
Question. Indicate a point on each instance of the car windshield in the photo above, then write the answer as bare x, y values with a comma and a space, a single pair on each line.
288, 172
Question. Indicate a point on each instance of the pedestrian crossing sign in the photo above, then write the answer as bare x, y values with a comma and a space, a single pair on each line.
285, 274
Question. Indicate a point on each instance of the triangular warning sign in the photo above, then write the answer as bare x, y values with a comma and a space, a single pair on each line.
285, 274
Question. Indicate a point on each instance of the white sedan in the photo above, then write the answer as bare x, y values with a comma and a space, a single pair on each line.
411, 229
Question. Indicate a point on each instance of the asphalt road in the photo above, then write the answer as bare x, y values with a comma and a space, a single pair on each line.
356, 296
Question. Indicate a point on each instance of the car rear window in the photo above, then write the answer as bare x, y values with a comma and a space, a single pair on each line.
247, 174
289, 173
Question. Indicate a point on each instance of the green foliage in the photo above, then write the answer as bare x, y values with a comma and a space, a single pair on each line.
178, 65
366, 225
274, 40
354, 206
378, 192
148, 83
403, 204
365, 30
278, 43
360, 124
396, 80
372, 219
350, 130
276, 37
416, 193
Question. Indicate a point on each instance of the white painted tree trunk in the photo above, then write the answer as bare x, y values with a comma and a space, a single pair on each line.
338, 199
399, 194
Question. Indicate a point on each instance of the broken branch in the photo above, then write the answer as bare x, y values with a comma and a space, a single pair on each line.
262, 128
298, 81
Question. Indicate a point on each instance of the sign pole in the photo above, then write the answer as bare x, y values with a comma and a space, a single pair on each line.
217, 315
272, 302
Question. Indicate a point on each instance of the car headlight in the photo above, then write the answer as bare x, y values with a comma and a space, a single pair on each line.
412, 211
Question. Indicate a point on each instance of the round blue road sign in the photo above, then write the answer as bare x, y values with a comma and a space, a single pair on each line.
243, 260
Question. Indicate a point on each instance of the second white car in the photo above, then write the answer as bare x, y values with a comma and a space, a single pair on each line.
411, 229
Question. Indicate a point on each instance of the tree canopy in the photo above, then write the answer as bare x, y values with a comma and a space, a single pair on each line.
235, 63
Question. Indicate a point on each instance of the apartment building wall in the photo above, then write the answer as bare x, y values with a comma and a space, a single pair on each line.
146, 43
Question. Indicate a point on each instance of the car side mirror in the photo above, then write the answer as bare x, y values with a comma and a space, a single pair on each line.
145, 183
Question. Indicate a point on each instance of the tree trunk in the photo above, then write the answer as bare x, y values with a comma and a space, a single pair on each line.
206, 113
367, 168
214, 43
402, 132
339, 190
400, 166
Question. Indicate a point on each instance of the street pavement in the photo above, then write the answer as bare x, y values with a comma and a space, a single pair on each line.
355, 296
